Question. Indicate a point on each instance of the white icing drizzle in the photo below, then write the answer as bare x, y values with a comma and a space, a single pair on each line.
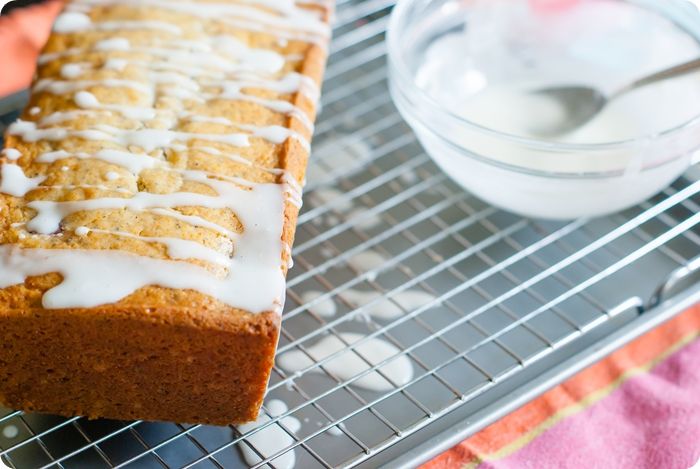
187, 88
220, 53
159, 26
116, 64
147, 139
14, 182
87, 100
277, 105
88, 283
245, 270
281, 6
71, 22
272, 133
65, 87
206, 119
292, 22
137, 162
287, 252
73, 70
134, 162
253, 267
236, 158
293, 189
193, 220
113, 44
350, 363
11, 154
58, 117
275, 134
290, 83
240, 201
177, 248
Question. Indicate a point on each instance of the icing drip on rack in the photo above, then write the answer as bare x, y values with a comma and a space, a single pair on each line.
272, 439
244, 267
350, 363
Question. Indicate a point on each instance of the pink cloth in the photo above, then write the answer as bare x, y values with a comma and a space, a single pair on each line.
651, 421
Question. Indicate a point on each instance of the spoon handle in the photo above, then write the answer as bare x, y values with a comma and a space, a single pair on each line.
673, 72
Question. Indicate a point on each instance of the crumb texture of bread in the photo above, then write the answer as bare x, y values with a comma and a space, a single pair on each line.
148, 201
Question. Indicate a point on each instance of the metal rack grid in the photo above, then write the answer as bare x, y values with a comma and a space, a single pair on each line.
512, 305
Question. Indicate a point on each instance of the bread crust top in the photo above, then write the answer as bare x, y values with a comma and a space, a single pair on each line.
188, 125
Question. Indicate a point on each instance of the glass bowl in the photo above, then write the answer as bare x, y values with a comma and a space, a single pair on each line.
532, 176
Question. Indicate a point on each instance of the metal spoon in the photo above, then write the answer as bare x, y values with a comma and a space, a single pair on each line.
582, 103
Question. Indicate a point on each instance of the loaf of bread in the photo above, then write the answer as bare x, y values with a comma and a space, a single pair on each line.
149, 195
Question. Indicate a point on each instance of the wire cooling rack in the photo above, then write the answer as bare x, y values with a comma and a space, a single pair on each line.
510, 306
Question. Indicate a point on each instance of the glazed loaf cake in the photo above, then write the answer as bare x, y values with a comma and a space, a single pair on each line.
149, 195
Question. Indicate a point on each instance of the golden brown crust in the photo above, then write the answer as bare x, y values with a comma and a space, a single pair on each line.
125, 363
158, 354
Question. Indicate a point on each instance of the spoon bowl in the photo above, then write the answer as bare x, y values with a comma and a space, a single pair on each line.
580, 104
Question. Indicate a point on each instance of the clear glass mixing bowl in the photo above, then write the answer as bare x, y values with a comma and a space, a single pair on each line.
529, 176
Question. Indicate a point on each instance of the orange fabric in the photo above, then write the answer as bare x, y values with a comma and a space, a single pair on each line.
512, 427
22, 35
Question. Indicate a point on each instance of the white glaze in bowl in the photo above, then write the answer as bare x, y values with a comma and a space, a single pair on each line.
594, 172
